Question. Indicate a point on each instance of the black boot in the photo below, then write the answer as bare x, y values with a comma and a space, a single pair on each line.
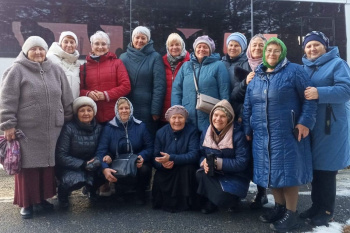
310, 213
322, 218
209, 208
27, 212
63, 197
258, 202
274, 214
287, 223
43, 206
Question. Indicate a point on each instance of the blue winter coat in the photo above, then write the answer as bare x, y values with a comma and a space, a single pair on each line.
140, 138
148, 84
235, 171
213, 81
331, 75
182, 146
274, 104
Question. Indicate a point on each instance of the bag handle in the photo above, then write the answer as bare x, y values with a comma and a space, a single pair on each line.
128, 145
195, 79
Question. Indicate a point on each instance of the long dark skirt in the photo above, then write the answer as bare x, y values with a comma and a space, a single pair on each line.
174, 190
210, 187
33, 185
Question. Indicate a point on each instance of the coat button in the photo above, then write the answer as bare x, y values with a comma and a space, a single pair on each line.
265, 91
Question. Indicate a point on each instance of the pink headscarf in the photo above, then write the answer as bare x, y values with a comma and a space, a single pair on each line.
254, 62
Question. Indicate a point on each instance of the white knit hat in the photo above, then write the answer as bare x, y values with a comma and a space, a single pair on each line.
34, 41
82, 101
68, 33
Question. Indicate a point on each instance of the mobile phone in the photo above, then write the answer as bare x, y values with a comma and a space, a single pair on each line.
296, 133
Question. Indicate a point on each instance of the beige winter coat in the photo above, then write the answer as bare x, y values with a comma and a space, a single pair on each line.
37, 99
69, 63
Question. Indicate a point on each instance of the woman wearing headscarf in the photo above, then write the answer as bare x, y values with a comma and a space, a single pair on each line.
65, 54
147, 77
103, 77
176, 56
115, 137
277, 117
35, 97
75, 150
330, 87
176, 155
225, 141
212, 79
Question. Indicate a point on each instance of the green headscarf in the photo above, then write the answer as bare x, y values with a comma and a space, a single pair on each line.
283, 52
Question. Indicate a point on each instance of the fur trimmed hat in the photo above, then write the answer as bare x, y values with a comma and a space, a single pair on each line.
82, 101
34, 41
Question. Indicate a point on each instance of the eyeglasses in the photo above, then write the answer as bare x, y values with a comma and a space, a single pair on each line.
270, 51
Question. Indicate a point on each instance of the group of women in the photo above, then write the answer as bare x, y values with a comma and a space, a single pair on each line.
268, 108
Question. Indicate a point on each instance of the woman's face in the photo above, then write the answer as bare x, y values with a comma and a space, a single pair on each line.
177, 122
68, 44
175, 48
99, 47
202, 50
314, 50
85, 114
272, 54
124, 111
256, 47
219, 120
37, 54
139, 41
234, 49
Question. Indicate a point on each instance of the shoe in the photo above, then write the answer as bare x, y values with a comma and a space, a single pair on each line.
46, 205
209, 208
235, 207
105, 190
259, 201
274, 214
27, 212
322, 219
94, 165
289, 222
63, 202
309, 213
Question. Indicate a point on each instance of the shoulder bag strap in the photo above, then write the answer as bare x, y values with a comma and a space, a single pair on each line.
195, 79
128, 142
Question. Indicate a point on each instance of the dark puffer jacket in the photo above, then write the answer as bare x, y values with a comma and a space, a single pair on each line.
148, 84
182, 146
75, 146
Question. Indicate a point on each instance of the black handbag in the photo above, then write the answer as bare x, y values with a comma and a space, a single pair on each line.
125, 164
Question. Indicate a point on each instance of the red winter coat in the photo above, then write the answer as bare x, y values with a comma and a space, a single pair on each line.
170, 77
109, 75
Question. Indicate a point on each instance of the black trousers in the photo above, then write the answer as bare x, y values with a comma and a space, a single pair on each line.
324, 190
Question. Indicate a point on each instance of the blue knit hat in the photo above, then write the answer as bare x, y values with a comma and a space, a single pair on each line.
240, 38
317, 36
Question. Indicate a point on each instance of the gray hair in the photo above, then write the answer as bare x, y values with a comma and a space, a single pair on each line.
100, 35
261, 36
141, 30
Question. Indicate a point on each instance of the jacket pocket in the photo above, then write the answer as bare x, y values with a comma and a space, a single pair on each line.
29, 115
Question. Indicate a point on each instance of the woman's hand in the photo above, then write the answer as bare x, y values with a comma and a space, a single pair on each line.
249, 138
100, 95
249, 78
107, 159
139, 162
93, 95
303, 131
155, 117
165, 158
311, 93
168, 165
10, 134
205, 166
108, 172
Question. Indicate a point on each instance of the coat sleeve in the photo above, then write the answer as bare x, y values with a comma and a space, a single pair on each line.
159, 86
309, 107
247, 112
10, 93
82, 75
123, 82
157, 149
192, 154
67, 98
177, 89
103, 146
340, 91
241, 158
224, 84
148, 145
238, 91
63, 156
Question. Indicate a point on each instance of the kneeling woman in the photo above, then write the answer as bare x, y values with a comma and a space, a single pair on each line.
75, 150
226, 142
176, 157
118, 134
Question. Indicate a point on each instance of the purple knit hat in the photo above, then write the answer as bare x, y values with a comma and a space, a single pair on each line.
207, 40
176, 109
